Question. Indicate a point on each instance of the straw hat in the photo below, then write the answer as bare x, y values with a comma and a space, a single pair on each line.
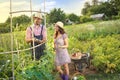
38, 15
60, 24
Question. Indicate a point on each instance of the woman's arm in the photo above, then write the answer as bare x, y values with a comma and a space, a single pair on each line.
65, 43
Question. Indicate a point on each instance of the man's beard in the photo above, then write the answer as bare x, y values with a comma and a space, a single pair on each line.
37, 23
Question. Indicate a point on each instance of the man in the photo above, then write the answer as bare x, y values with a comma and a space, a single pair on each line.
39, 36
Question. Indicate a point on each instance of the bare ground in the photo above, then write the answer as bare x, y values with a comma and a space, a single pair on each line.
73, 72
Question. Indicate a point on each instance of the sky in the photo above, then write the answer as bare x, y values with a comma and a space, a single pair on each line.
68, 6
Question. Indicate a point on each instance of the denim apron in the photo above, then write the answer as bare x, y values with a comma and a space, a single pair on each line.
39, 51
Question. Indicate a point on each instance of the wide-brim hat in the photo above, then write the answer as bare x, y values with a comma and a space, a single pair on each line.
38, 15
60, 24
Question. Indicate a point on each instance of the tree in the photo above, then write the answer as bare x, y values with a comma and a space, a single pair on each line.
73, 18
8, 20
115, 4
95, 2
56, 15
109, 8
85, 9
23, 19
87, 5
4, 28
97, 9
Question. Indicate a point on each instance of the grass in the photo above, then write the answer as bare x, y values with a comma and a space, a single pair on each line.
81, 37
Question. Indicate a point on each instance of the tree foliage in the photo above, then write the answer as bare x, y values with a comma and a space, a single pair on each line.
110, 8
74, 17
95, 2
56, 15
16, 21
4, 27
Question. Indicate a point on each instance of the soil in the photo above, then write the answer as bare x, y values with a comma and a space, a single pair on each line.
85, 71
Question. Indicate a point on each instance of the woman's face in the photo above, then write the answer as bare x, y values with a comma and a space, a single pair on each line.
56, 27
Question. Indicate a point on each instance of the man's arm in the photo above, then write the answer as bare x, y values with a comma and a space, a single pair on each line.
44, 34
28, 37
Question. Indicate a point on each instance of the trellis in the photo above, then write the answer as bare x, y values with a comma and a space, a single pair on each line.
11, 32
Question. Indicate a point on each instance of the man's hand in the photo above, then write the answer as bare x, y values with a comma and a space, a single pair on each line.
36, 40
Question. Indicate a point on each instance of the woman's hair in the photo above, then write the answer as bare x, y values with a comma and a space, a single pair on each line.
61, 30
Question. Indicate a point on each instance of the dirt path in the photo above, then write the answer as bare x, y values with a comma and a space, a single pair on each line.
73, 72
86, 71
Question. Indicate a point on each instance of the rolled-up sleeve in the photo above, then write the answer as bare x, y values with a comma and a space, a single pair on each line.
28, 33
44, 33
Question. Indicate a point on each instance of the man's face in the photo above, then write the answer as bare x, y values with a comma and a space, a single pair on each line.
37, 21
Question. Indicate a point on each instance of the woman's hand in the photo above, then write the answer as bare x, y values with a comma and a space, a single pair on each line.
62, 47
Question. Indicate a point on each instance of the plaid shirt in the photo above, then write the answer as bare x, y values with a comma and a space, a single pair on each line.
37, 31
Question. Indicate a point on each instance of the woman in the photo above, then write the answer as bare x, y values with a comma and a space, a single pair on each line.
62, 57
